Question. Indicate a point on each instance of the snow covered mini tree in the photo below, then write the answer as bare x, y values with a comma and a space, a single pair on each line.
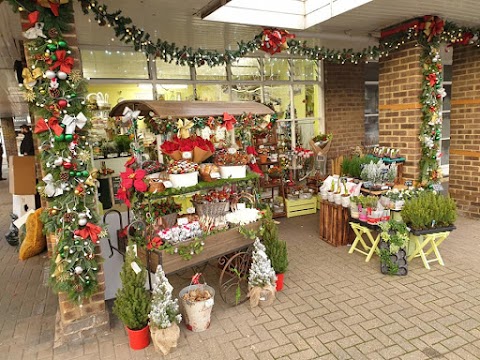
261, 279
164, 314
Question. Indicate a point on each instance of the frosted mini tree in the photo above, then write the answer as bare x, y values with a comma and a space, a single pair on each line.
261, 279
164, 314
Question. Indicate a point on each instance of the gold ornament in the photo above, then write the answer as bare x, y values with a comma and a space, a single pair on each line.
184, 127
75, 76
84, 156
29, 96
30, 77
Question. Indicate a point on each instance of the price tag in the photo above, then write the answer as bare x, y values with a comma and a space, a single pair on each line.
191, 210
215, 175
409, 183
168, 184
438, 187
135, 267
182, 221
240, 206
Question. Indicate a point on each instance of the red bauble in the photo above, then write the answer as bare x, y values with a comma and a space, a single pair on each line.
62, 103
67, 165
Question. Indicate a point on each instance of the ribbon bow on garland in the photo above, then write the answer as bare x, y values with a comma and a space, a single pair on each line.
30, 77
129, 114
91, 231
52, 4
184, 127
275, 40
229, 121
432, 26
42, 126
51, 189
64, 62
72, 122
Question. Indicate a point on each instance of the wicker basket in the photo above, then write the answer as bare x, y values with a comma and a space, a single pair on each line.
212, 209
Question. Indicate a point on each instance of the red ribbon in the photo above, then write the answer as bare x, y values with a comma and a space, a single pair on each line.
89, 231
42, 126
196, 278
32, 19
63, 61
228, 121
400, 28
275, 40
432, 78
432, 26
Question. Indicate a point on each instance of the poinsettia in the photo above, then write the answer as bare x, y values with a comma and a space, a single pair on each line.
124, 195
188, 144
134, 178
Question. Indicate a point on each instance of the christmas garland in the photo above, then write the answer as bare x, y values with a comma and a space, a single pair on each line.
56, 93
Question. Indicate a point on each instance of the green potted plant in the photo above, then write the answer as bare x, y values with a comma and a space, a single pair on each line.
345, 200
132, 303
275, 249
392, 248
123, 143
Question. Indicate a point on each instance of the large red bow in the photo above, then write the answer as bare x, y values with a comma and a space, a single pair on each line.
42, 126
228, 121
432, 78
432, 26
275, 40
89, 231
32, 19
63, 61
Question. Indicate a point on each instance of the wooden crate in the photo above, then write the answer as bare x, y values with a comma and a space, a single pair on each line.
301, 207
334, 224
216, 245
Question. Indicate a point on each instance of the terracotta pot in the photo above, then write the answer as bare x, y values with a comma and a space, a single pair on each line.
263, 158
139, 339
279, 283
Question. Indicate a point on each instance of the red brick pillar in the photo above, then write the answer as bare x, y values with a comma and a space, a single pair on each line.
399, 118
464, 177
344, 106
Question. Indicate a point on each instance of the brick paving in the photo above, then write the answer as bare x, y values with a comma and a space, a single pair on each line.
334, 306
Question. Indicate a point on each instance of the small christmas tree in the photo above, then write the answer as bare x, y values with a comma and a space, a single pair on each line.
261, 272
132, 302
275, 249
164, 311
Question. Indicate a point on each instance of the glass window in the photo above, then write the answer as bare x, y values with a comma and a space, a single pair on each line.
278, 97
446, 100
106, 64
371, 130
247, 92
246, 69
371, 99
212, 92
446, 125
304, 131
276, 69
371, 71
170, 71
305, 69
444, 160
175, 92
211, 73
120, 92
447, 72
305, 98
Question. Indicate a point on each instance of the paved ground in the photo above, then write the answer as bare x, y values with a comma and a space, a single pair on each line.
334, 306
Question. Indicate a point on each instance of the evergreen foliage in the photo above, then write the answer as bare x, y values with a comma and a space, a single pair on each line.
261, 273
275, 249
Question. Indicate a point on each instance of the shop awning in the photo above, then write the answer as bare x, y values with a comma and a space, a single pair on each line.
190, 109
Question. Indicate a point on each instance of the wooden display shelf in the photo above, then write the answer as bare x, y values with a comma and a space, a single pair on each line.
301, 207
216, 245
334, 224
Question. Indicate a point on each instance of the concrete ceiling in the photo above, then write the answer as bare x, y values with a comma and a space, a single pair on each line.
178, 21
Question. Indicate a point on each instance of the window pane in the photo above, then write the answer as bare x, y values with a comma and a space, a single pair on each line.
171, 71
371, 71
446, 99
306, 100
114, 64
447, 72
208, 73
371, 130
120, 92
446, 125
212, 93
246, 69
305, 69
246, 93
371, 99
445, 159
175, 92
278, 97
276, 69
304, 132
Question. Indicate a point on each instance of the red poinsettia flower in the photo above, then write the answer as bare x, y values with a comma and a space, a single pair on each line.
156, 242
123, 195
134, 178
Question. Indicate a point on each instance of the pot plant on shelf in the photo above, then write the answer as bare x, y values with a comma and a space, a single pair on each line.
163, 213
392, 249
275, 249
345, 196
164, 314
132, 303
232, 163
261, 277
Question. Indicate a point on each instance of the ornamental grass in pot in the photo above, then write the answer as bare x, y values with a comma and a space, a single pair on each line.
132, 303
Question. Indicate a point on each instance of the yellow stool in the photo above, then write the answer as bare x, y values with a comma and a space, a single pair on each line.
368, 250
422, 241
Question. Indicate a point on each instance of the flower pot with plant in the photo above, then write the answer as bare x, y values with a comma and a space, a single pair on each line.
345, 195
232, 163
164, 314
183, 173
392, 248
163, 212
354, 205
330, 193
337, 195
132, 303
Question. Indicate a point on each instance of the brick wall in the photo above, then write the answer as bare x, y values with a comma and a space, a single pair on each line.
344, 106
399, 118
464, 178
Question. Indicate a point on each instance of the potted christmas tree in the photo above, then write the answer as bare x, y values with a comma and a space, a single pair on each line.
275, 249
164, 314
261, 277
132, 302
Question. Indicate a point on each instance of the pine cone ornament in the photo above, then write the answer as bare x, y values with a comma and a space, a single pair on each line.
53, 33
54, 93
68, 217
64, 176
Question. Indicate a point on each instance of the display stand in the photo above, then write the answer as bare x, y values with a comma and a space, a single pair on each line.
333, 222
269, 188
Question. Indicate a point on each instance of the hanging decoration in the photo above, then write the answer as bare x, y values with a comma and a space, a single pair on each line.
275, 40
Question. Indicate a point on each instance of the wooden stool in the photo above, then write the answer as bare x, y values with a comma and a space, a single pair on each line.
368, 250
421, 242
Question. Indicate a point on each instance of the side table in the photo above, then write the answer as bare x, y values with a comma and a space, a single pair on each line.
333, 224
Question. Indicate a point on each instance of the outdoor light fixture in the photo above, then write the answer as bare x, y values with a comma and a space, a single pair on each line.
289, 14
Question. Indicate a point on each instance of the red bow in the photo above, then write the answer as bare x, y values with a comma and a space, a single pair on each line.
211, 122
42, 126
432, 78
89, 231
228, 121
196, 278
251, 150
32, 19
274, 40
63, 61
432, 26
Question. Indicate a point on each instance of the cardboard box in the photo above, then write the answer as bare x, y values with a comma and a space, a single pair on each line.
21, 175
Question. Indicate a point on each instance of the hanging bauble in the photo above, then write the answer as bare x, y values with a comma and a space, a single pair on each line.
82, 215
50, 74
53, 57
42, 91
85, 173
78, 270
67, 165
73, 95
58, 161
51, 47
62, 103
53, 212
53, 33
60, 138
69, 137
62, 44
62, 75
78, 173
82, 222
71, 173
